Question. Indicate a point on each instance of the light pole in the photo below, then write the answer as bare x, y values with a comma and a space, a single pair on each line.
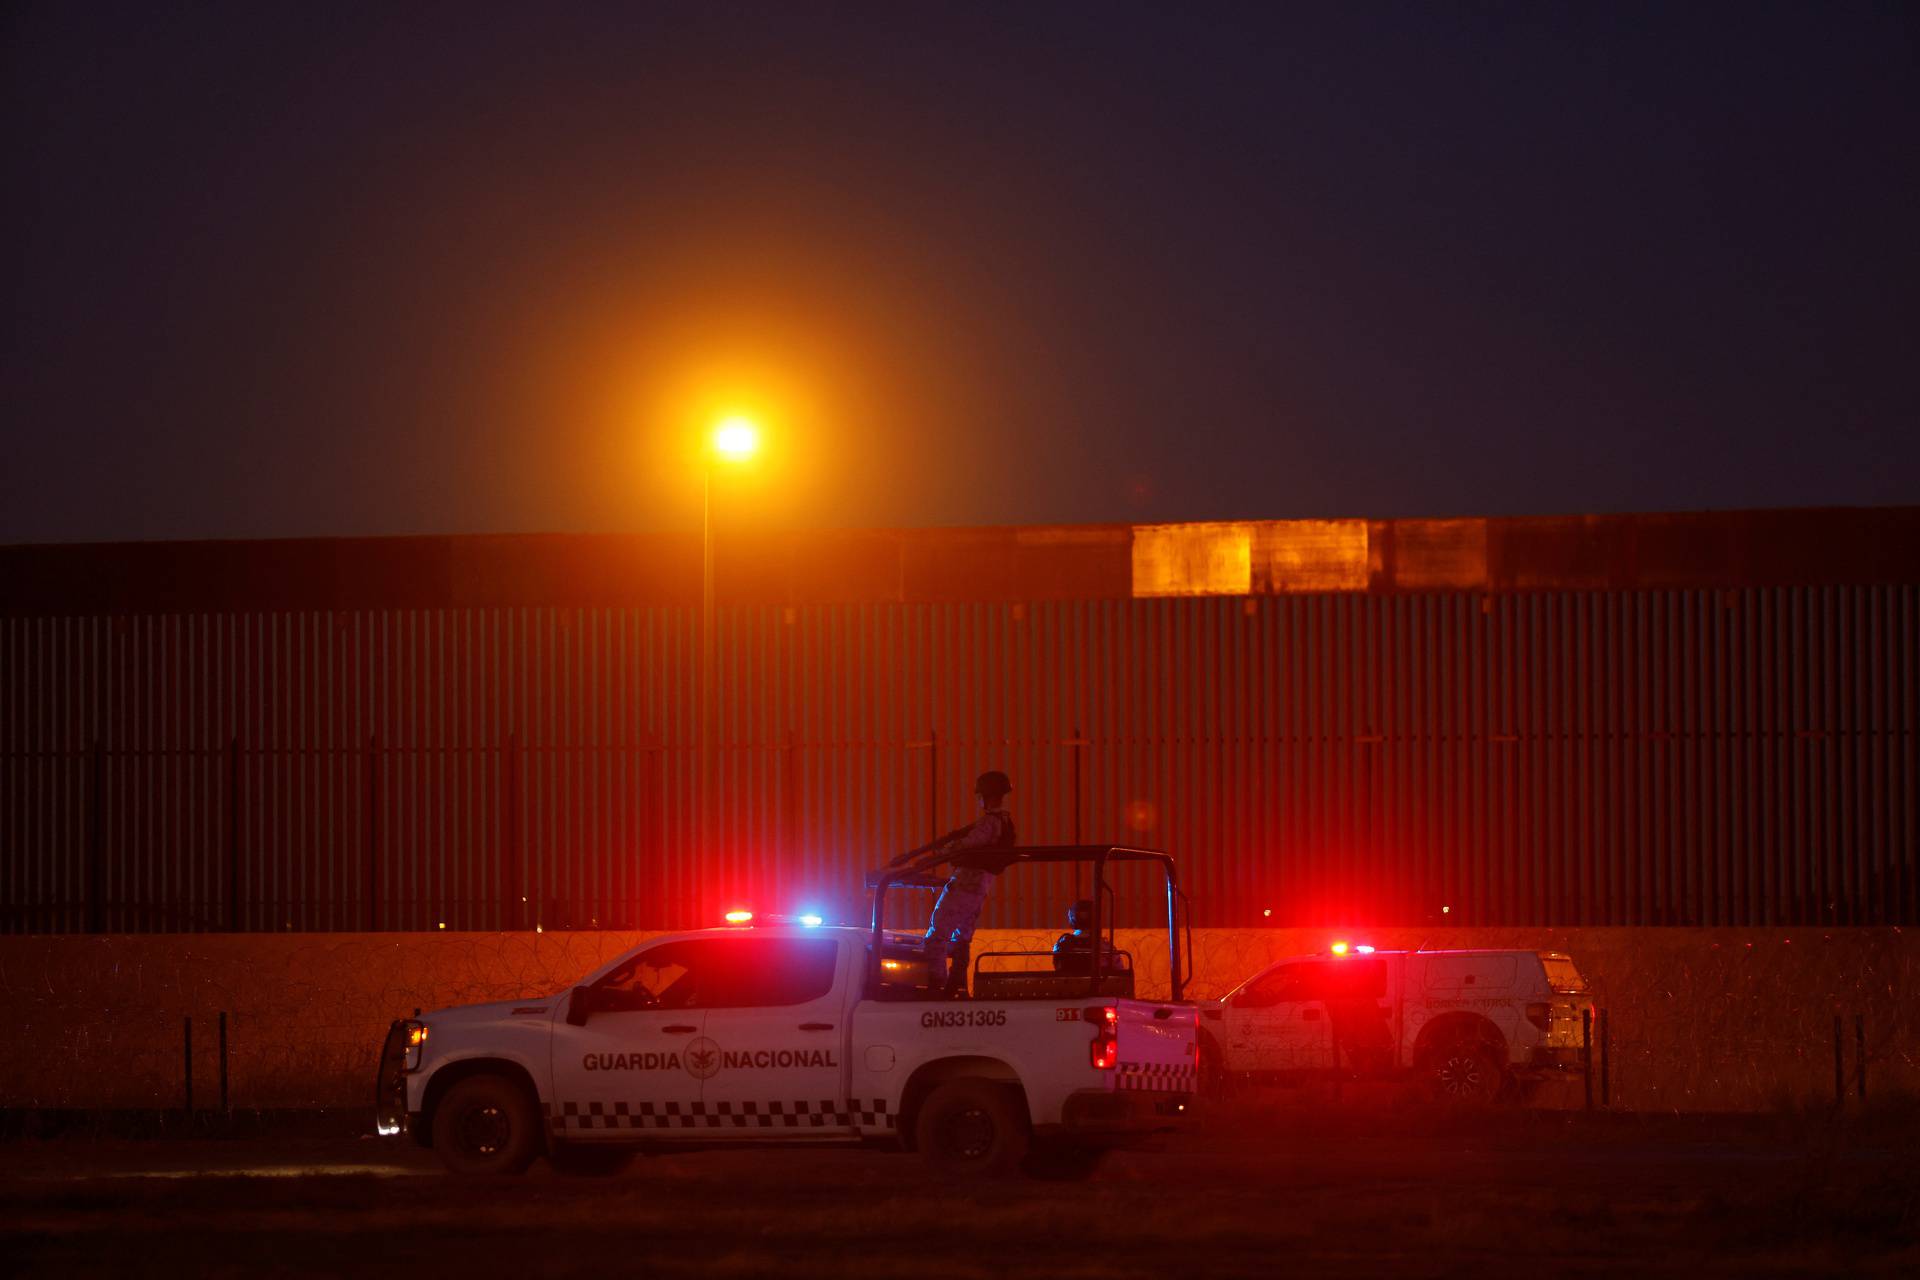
734, 440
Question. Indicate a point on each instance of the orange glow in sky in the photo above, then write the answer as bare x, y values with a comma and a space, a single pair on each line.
863, 389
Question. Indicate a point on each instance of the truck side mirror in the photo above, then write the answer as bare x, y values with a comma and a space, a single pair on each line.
579, 1006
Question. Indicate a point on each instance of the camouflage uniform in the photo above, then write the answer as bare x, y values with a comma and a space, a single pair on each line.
958, 908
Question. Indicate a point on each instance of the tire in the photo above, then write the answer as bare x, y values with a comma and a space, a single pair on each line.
581, 1160
1061, 1161
972, 1128
1464, 1073
486, 1125
1215, 1081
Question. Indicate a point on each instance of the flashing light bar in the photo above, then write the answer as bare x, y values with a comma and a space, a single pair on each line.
1339, 948
811, 919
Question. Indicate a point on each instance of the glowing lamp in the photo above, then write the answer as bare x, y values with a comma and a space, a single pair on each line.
739, 917
1364, 949
811, 921
736, 439
1339, 948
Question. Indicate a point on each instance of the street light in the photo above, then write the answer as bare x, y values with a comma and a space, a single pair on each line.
734, 439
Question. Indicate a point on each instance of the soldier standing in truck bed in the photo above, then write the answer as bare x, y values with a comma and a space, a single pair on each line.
958, 909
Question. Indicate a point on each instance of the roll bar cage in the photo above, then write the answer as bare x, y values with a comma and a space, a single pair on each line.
998, 860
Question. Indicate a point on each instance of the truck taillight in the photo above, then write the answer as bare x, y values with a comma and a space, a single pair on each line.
1540, 1015
1104, 1052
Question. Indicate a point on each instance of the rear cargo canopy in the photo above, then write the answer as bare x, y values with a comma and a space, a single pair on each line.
1446, 973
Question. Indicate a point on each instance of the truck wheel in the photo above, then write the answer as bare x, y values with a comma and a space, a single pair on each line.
971, 1127
1464, 1072
1215, 1082
486, 1125
579, 1160
1059, 1161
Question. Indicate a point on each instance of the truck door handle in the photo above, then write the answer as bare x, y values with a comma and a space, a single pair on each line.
816, 1026
679, 1030
1309, 1015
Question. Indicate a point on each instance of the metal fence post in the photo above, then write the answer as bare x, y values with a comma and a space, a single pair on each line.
513, 829
1839, 1068
933, 784
1860, 1055
790, 797
1586, 1053
233, 834
187, 1055
97, 842
1079, 742
373, 832
513, 914
1606, 1059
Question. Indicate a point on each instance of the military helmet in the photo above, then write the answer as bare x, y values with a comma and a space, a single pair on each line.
992, 784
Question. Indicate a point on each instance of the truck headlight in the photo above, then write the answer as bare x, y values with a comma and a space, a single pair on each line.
416, 1045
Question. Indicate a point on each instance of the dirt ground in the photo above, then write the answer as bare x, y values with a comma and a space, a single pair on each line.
1262, 1186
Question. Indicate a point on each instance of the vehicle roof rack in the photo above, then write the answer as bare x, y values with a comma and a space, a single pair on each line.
997, 861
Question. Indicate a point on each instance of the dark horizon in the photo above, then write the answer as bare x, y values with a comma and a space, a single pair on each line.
352, 274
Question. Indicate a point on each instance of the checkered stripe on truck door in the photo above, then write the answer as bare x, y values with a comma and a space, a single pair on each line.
579, 1117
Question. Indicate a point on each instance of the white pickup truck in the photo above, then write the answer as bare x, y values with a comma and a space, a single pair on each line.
805, 1034
1468, 1025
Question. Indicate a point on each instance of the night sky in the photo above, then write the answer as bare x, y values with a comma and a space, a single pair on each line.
283, 270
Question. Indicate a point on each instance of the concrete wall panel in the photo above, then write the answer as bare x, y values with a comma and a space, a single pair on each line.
1703, 1020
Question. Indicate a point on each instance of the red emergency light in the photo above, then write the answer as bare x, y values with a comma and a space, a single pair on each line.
1104, 1052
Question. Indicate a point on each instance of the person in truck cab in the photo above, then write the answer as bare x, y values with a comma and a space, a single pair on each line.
1073, 951
958, 908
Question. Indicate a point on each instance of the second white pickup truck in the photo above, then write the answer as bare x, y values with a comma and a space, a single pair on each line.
1469, 1025
797, 1034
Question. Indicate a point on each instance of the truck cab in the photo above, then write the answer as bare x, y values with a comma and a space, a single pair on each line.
790, 1033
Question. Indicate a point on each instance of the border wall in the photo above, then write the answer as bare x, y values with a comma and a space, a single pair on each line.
1696, 719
